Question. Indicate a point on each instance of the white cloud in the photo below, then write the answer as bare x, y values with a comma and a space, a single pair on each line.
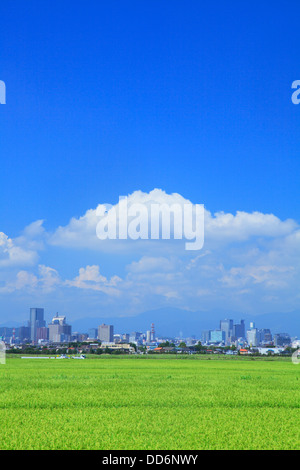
49, 278
249, 261
22, 250
220, 228
151, 264
271, 276
45, 281
90, 278
82, 232
12, 254
243, 226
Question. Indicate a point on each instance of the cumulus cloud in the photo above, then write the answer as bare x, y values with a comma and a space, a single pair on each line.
220, 228
249, 261
82, 232
13, 254
243, 226
46, 280
90, 278
22, 250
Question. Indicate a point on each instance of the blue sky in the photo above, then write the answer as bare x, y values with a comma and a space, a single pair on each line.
108, 98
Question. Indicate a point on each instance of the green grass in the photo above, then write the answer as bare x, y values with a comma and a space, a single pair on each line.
149, 403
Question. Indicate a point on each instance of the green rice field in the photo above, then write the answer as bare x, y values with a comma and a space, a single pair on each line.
153, 403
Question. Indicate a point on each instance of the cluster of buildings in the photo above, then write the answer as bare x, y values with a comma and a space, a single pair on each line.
58, 332
230, 333
36, 331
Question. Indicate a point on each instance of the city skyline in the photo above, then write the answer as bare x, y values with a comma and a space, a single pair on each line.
170, 321
229, 333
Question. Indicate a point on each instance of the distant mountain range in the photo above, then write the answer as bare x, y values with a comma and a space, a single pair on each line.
174, 322
177, 322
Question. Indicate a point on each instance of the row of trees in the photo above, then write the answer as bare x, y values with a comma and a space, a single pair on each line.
70, 348
168, 347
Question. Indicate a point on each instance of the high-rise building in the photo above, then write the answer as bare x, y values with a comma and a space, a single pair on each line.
106, 333
205, 336
59, 331
24, 333
253, 338
239, 330
265, 336
227, 327
135, 337
152, 332
6, 333
36, 321
93, 333
282, 339
217, 336
42, 333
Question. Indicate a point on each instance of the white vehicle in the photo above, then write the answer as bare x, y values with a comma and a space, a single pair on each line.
82, 356
36, 357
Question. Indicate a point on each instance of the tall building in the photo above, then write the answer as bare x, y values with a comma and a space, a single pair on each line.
265, 336
282, 339
42, 333
152, 332
59, 330
93, 333
205, 336
24, 333
5, 332
253, 338
239, 330
217, 336
227, 327
36, 321
135, 337
106, 333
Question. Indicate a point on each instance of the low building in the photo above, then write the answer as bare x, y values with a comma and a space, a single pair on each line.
268, 351
124, 347
244, 352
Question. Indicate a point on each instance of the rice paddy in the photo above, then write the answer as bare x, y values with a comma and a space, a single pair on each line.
150, 403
